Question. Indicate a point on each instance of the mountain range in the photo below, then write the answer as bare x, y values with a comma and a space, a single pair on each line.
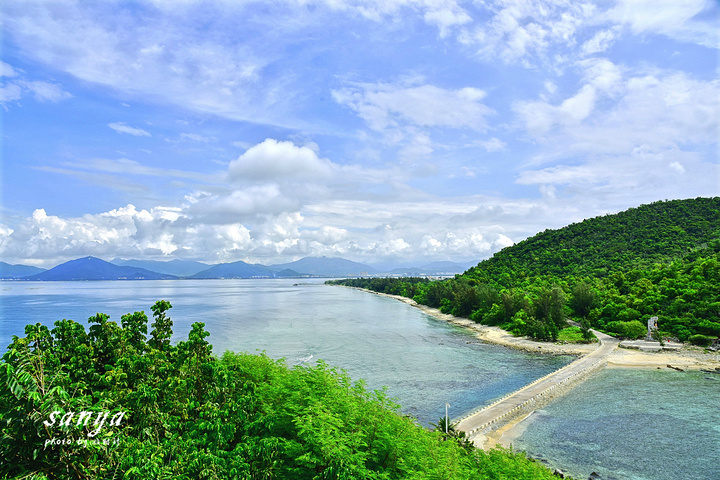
91, 268
8, 271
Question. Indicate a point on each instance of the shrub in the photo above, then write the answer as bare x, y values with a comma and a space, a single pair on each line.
700, 340
632, 329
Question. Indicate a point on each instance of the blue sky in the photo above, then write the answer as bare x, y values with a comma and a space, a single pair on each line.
394, 131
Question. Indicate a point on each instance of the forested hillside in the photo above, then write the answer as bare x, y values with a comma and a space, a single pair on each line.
114, 402
634, 239
612, 272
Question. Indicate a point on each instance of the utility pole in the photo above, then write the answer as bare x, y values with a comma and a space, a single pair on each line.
447, 420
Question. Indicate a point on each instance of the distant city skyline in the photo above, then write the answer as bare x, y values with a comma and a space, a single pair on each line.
383, 132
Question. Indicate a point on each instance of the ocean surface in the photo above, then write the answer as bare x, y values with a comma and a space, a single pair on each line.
623, 424
629, 424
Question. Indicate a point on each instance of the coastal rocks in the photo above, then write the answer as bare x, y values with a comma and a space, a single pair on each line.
594, 476
675, 368
559, 473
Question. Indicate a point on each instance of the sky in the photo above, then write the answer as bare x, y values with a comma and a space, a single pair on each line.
393, 132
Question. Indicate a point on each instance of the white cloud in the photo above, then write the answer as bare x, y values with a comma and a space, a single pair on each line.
693, 21
10, 93
600, 42
382, 105
120, 127
447, 16
7, 70
273, 160
677, 167
15, 89
525, 31
194, 137
602, 74
45, 91
540, 117
493, 144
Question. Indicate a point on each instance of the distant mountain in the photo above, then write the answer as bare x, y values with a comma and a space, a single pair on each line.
434, 268
449, 267
91, 268
236, 270
180, 268
287, 273
8, 271
327, 267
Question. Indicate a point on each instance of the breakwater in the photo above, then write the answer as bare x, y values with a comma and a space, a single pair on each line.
536, 394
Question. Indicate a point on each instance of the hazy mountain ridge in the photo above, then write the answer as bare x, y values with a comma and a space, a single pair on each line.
179, 268
8, 271
92, 268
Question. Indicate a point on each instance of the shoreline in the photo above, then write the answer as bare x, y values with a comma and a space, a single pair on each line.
687, 358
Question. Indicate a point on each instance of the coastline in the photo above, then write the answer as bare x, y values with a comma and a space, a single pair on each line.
687, 358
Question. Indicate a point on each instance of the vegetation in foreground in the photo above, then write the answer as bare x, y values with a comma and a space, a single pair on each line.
612, 273
183, 413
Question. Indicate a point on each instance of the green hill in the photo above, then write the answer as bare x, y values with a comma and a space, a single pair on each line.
635, 238
612, 273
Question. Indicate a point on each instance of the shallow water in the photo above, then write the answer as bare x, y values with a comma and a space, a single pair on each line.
424, 362
632, 425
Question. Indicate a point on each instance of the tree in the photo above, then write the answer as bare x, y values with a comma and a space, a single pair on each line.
583, 299
162, 326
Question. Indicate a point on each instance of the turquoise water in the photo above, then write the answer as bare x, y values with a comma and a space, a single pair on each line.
424, 362
632, 425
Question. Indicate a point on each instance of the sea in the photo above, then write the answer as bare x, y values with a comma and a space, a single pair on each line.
622, 424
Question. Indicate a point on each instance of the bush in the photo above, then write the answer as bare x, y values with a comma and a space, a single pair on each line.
574, 335
633, 329
701, 340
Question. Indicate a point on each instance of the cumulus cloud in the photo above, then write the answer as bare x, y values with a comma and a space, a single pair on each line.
122, 128
446, 16
279, 160
540, 117
651, 130
251, 225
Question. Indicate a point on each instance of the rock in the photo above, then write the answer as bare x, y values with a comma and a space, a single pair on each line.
559, 473
594, 476
675, 368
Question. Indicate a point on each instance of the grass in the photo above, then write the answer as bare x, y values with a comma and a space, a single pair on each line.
572, 335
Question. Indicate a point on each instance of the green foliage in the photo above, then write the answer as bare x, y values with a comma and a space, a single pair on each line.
632, 329
661, 259
701, 340
188, 414
575, 335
